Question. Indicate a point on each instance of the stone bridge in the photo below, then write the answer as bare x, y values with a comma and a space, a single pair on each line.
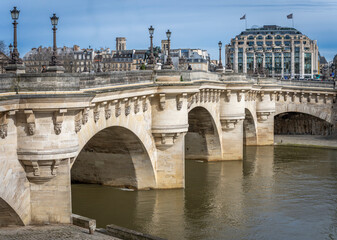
132, 129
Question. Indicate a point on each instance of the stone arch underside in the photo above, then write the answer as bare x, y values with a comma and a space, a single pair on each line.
322, 112
114, 156
249, 129
301, 123
8, 216
202, 140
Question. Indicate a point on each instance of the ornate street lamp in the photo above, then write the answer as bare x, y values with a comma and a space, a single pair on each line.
15, 53
10, 49
54, 21
85, 60
99, 61
151, 31
168, 60
220, 46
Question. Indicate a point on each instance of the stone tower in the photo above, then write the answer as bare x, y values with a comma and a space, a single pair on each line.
120, 43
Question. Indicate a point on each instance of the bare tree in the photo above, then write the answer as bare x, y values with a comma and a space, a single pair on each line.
3, 47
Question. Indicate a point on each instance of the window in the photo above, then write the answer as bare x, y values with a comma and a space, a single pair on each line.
269, 37
278, 43
259, 43
307, 63
278, 37
269, 43
287, 43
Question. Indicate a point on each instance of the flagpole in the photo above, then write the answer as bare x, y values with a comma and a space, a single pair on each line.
293, 20
246, 23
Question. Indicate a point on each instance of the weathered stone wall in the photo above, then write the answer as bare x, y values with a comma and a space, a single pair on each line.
14, 186
299, 123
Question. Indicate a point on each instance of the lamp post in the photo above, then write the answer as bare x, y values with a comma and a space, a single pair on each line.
169, 59
54, 21
15, 53
220, 46
85, 61
99, 61
10, 49
151, 60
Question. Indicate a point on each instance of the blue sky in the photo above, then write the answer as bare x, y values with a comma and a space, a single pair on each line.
193, 23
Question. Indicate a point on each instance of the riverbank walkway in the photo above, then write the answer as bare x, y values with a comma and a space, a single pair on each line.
52, 232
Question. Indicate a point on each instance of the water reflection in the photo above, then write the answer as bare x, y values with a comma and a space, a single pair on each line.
275, 193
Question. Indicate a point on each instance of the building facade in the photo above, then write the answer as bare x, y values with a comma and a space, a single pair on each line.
273, 50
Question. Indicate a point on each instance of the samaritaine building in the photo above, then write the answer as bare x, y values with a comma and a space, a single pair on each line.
275, 51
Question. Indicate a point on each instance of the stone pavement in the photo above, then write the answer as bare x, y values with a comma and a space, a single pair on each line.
307, 140
51, 232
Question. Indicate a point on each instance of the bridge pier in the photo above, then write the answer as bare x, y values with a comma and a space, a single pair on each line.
169, 126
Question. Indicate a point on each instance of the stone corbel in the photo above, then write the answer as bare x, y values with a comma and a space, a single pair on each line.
190, 100
197, 97
180, 100
30, 118
165, 140
85, 115
229, 124
107, 110
118, 109
78, 121
317, 97
262, 116
145, 104
136, 105
309, 97
240, 95
58, 120
127, 106
162, 101
218, 93
201, 96
271, 95
278, 96
3, 125
293, 95
41, 171
285, 96
206, 95
228, 96
334, 98
301, 96
261, 96
325, 98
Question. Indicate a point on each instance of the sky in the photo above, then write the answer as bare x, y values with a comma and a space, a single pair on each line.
193, 23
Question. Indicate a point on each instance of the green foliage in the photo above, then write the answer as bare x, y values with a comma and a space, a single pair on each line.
142, 67
181, 79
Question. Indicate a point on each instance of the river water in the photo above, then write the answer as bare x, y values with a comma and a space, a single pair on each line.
274, 193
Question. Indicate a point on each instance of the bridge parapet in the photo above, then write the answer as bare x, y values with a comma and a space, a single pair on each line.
307, 84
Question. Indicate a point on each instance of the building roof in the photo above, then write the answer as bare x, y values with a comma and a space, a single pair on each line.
270, 29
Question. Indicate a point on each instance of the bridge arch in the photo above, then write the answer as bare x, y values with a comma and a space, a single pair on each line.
321, 112
115, 156
202, 140
249, 129
8, 215
301, 123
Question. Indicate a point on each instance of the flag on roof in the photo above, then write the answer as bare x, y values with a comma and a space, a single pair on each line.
243, 17
290, 16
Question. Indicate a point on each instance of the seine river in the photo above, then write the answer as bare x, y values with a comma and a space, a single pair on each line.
274, 193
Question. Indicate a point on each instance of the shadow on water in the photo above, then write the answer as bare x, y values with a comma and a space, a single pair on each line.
275, 193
